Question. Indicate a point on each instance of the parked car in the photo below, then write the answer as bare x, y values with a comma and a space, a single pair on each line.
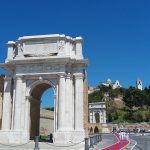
124, 130
140, 130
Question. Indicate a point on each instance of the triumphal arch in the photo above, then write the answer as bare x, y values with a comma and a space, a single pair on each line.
34, 64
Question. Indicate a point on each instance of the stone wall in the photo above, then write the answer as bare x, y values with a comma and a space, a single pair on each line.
1, 96
94, 128
85, 103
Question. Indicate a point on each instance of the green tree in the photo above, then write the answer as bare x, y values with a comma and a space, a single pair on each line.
137, 116
147, 92
96, 96
129, 97
104, 89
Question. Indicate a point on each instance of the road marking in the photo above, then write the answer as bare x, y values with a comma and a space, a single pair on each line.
134, 144
126, 145
118, 141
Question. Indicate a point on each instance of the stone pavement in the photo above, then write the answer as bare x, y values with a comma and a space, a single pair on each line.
107, 140
43, 146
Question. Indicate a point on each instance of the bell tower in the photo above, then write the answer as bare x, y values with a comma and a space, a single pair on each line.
139, 84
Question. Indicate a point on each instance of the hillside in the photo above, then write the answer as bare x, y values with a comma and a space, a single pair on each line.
124, 105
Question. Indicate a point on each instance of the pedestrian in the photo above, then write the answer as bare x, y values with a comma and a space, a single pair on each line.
51, 138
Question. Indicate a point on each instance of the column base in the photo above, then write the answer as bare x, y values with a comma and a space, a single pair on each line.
14, 137
61, 137
64, 137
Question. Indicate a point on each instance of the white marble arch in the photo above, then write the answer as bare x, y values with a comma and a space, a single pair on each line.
30, 100
57, 63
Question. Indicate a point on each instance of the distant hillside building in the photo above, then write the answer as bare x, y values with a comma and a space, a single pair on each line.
98, 108
97, 118
139, 84
108, 83
114, 85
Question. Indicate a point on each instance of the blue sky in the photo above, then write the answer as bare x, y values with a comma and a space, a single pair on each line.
116, 33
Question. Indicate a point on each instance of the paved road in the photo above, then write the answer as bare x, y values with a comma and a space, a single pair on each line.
143, 142
107, 140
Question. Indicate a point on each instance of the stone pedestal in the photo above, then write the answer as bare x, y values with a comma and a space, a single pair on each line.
6, 118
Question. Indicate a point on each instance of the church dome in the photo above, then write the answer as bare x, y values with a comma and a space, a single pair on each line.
108, 81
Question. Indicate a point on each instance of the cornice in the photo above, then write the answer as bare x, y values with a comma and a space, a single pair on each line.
60, 61
49, 36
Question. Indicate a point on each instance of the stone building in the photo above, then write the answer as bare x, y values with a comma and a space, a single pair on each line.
114, 85
99, 109
108, 83
85, 103
97, 118
139, 84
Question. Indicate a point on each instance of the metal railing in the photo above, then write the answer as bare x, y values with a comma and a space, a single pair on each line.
92, 140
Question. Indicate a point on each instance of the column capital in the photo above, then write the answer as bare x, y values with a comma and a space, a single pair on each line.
68, 76
7, 78
79, 75
62, 75
29, 98
18, 77
11, 43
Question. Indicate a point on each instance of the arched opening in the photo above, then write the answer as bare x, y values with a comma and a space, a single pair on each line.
96, 130
47, 113
40, 118
97, 117
91, 130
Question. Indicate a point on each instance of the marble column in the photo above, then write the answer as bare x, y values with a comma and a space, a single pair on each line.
72, 102
56, 108
55, 122
104, 114
18, 101
94, 120
69, 104
13, 104
61, 103
23, 104
27, 113
6, 118
91, 116
78, 101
